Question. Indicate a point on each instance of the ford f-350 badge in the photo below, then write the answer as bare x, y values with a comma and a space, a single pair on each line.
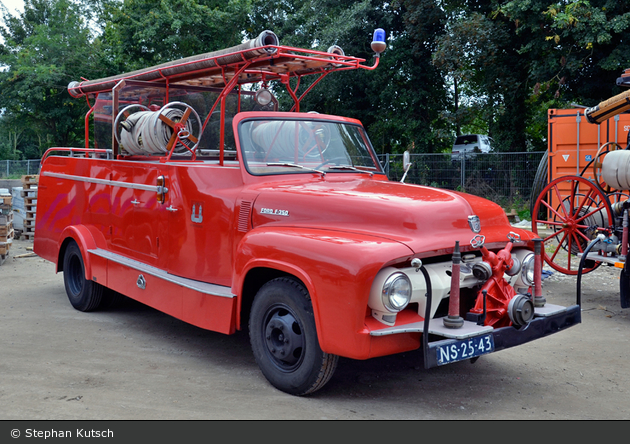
274, 212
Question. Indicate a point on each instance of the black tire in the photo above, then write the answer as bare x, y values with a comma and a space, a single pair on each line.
284, 338
84, 295
111, 299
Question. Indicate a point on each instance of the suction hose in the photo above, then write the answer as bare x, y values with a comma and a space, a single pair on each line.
600, 237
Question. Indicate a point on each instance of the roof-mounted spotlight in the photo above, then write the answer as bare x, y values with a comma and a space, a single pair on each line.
378, 41
264, 97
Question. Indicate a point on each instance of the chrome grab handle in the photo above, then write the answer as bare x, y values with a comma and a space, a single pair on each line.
171, 209
135, 202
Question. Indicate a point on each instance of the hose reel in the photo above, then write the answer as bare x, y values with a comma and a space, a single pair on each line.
176, 127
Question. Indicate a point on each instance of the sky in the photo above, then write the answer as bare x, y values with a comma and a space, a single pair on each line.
12, 5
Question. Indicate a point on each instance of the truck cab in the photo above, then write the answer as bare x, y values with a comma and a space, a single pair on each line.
196, 195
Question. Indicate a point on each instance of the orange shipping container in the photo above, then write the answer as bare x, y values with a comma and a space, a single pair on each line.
573, 141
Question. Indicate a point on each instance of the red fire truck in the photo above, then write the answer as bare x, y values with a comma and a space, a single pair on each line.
202, 199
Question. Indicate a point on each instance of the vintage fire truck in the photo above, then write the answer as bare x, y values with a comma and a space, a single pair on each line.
202, 199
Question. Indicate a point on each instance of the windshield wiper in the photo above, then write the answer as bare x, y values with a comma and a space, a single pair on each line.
349, 167
295, 165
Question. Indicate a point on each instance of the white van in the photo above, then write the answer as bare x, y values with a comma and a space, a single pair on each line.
471, 143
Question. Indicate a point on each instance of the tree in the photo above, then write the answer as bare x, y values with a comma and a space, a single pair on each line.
399, 102
46, 47
144, 33
576, 49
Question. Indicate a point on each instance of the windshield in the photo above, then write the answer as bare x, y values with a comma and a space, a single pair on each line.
275, 146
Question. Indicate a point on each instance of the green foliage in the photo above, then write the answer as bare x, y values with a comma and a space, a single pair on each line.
579, 47
399, 102
451, 66
46, 47
144, 33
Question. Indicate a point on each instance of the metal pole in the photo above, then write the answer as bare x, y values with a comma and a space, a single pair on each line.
462, 178
616, 123
578, 119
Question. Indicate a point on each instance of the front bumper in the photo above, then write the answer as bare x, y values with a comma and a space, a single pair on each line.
547, 321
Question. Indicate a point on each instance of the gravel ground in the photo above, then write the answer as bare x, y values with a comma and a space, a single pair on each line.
134, 363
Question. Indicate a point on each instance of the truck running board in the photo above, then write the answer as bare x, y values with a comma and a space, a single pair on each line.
201, 287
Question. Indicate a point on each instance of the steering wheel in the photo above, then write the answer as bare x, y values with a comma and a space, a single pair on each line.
321, 135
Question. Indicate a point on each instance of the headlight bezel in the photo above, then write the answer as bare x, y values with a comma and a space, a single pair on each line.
527, 269
391, 291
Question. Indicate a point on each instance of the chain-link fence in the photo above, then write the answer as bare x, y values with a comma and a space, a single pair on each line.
15, 169
505, 178
501, 177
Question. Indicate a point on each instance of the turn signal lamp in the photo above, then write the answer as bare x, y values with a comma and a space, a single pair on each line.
378, 41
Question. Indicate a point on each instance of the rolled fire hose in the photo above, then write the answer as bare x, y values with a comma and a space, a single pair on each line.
616, 169
279, 137
143, 133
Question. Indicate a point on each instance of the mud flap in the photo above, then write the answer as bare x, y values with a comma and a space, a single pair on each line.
624, 287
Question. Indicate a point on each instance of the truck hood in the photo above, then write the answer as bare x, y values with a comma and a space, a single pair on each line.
425, 219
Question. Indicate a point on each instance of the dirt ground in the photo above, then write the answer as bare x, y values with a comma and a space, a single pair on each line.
134, 363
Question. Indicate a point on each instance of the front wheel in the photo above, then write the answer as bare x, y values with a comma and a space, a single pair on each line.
284, 339
84, 295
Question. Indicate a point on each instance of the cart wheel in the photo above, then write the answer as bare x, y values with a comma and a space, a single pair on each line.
571, 208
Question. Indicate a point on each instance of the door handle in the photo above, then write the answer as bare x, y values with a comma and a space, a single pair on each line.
171, 209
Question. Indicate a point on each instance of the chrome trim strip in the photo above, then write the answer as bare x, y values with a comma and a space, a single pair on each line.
470, 329
115, 183
202, 287
436, 327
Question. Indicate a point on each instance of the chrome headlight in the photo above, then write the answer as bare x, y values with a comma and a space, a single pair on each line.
516, 267
527, 272
396, 292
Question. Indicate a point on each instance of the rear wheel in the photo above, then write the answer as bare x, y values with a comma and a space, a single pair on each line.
284, 339
84, 295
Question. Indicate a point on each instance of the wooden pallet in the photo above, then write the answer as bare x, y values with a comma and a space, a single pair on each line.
28, 235
6, 200
8, 237
5, 219
4, 247
29, 193
5, 229
31, 179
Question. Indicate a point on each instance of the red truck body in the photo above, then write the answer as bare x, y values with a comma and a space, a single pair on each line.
284, 220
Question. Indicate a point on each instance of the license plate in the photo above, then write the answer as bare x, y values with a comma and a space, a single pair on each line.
464, 349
